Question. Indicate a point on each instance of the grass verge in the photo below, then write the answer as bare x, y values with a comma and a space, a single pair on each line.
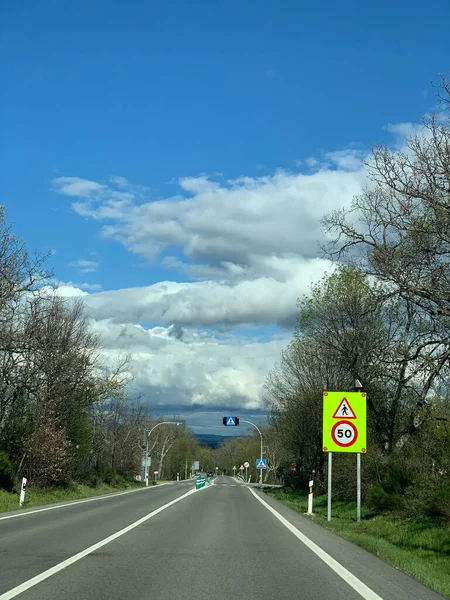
419, 548
78, 491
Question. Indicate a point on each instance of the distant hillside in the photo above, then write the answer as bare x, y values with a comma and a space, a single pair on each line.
210, 439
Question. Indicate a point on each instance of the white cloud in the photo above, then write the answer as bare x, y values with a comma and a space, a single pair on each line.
68, 290
85, 266
250, 249
74, 186
197, 370
91, 287
119, 181
261, 301
241, 222
348, 160
401, 131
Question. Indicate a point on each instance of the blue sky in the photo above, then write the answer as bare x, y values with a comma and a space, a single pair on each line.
169, 97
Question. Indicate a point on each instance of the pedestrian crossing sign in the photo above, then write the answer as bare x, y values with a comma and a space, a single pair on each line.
344, 410
344, 422
230, 421
261, 463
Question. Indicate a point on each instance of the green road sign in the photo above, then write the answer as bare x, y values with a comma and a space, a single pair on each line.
344, 422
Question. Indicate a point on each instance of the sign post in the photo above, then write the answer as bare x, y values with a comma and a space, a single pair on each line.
358, 487
330, 479
344, 430
261, 463
246, 465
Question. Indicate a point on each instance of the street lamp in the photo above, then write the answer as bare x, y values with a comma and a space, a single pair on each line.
260, 434
146, 446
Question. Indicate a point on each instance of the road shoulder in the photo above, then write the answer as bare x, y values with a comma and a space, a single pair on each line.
374, 572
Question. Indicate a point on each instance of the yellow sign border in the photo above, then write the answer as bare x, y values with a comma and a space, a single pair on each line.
358, 403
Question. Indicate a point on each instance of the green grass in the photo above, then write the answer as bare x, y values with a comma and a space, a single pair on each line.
40, 496
419, 548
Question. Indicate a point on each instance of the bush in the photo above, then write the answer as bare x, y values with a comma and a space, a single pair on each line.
439, 503
378, 498
111, 477
397, 479
94, 480
107, 475
6, 473
416, 500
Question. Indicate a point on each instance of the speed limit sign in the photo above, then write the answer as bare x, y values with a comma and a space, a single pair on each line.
344, 434
344, 422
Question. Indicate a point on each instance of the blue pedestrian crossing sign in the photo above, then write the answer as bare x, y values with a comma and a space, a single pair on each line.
230, 421
261, 463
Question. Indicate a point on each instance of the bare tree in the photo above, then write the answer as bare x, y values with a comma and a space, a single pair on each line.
401, 222
20, 274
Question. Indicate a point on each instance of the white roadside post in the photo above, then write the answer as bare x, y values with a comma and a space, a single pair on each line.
22, 491
310, 497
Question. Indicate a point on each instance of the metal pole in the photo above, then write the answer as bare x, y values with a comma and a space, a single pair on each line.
260, 434
146, 462
330, 465
261, 470
358, 487
358, 388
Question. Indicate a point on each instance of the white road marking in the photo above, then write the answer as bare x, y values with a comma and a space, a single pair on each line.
63, 505
23, 587
363, 590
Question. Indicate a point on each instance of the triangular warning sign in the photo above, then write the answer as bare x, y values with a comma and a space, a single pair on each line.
230, 421
344, 410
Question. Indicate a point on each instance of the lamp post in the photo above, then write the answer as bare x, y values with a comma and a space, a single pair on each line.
260, 434
146, 446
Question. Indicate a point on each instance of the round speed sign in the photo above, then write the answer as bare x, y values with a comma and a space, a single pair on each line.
344, 434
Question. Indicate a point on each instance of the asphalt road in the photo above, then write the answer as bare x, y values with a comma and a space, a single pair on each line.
172, 542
